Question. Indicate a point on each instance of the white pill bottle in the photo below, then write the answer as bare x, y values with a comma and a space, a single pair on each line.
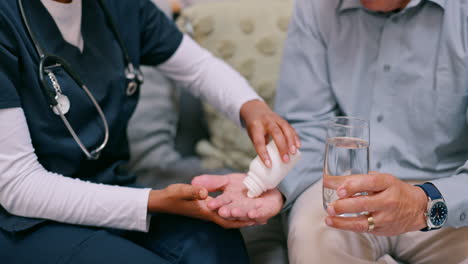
260, 178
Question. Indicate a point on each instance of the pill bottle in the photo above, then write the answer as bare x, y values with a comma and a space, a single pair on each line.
260, 178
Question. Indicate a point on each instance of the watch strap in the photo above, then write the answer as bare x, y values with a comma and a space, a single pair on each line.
431, 191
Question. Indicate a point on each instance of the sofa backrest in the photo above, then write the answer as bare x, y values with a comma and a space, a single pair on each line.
248, 35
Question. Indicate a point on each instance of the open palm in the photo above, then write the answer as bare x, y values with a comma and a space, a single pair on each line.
233, 203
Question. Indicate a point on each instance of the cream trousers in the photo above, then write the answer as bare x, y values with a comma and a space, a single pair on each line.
310, 240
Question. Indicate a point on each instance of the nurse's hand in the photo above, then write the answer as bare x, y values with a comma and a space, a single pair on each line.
233, 203
190, 201
261, 123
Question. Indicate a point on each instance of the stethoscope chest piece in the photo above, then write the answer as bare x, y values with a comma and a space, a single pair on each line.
63, 104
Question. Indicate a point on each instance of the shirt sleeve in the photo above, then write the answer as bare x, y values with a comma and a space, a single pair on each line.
159, 36
28, 190
304, 97
9, 69
453, 189
210, 78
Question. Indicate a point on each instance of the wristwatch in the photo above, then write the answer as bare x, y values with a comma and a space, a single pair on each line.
437, 212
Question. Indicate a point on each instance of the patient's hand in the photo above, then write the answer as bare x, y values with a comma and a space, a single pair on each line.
234, 204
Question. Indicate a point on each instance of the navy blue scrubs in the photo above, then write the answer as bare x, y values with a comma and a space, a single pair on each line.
150, 39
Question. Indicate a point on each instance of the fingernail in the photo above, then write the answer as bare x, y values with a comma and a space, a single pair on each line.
286, 158
268, 163
298, 144
293, 149
331, 210
202, 193
328, 221
342, 193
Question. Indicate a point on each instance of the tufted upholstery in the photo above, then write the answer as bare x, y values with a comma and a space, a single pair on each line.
249, 36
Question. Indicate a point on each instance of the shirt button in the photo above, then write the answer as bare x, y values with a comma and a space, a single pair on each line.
386, 68
379, 118
378, 165
462, 217
395, 20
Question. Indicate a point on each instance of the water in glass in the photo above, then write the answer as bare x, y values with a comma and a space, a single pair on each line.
344, 155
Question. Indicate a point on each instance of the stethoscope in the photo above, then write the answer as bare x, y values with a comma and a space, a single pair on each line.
58, 101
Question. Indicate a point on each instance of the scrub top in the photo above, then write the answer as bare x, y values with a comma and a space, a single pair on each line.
150, 39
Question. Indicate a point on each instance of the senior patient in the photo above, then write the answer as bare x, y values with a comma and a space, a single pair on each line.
402, 65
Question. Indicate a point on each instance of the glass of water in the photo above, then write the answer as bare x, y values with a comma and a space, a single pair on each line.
346, 153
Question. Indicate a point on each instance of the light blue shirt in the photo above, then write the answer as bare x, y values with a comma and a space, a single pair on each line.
405, 72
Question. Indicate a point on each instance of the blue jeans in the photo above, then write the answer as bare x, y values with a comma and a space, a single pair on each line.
172, 239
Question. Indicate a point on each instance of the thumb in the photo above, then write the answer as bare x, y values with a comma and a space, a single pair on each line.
212, 183
190, 192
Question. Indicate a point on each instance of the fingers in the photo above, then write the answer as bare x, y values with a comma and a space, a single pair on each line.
218, 202
290, 135
297, 140
281, 143
261, 121
232, 211
239, 214
187, 192
224, 212
257, 133
355, 224
364, 183
260, 215
231, 223
226, 223
212, 183
333, 182
267, 207
357, 204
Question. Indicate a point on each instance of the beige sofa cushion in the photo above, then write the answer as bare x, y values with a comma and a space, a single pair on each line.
248, 35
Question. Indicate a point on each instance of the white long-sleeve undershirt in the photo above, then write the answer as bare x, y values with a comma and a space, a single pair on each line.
27, 189
210, 78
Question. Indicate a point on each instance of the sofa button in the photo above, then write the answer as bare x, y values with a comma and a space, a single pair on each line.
462, 217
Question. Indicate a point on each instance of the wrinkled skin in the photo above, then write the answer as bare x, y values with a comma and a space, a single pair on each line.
396, 206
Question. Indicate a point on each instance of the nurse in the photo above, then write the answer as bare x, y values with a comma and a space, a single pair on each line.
63, 193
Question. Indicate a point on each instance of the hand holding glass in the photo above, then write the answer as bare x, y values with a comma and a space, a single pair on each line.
346, 153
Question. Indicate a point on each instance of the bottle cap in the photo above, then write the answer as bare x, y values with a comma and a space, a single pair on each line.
254, 188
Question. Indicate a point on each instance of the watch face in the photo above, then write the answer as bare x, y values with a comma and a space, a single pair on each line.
438, 214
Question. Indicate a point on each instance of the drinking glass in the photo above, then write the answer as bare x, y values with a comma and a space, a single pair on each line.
346, 153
